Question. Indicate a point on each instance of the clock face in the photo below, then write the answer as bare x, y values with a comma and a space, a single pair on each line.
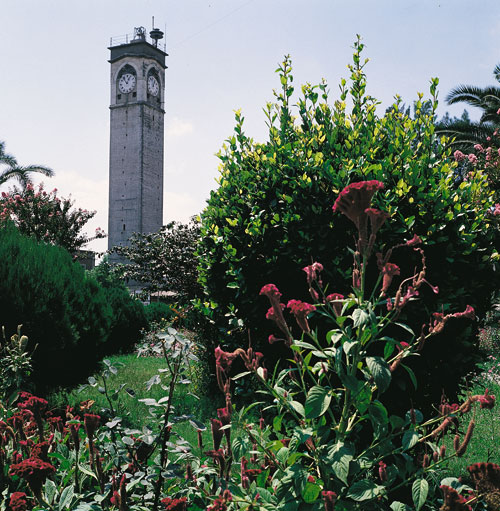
153, 86
126, 83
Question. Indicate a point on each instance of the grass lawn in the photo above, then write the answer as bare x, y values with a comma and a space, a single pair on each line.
132, 376
485, 443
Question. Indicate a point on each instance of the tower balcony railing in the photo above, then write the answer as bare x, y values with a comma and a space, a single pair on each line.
139, 34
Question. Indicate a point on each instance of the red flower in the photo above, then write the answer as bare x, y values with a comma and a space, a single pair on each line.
224, 359
175, 504
301, 310
485, 401
276, 315
312, 272
414, 241
34, 404
91, 423
220, 503
468, 313
453, 501
217, 433
271, 291
18, 501
335, 300
34, 471
377, 218
382, 471
389, 270
329, 499
353, 202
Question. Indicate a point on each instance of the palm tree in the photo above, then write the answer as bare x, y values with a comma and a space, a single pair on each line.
19, 172
468, 133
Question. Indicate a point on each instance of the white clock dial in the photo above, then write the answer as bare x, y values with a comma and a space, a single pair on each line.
126, 83
153, 86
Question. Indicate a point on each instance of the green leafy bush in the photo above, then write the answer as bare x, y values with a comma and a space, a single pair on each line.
325, 439
271, 214
63, 311
128, 313
157, 311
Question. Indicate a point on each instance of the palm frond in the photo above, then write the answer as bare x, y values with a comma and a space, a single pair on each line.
36, 168
466, 93
465, 135
496, 72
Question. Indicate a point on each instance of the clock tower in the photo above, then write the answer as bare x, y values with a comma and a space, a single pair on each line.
136, 137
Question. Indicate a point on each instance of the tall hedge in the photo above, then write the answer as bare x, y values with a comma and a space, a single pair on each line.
63, 311
272, 212
128, 313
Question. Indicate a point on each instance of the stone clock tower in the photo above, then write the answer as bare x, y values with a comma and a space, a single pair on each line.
136, 137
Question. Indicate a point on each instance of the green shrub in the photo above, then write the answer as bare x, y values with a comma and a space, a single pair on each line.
63, 311
156, 311
128, 317
271, 214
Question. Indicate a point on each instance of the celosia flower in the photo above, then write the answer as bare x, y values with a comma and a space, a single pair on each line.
486, 478
459, 155
41, 451
34, 471
468, 313
217, 433
313, 273
224, 359
472, 158
453, 501
175, 504
478, 147
91, 423
329, 499
377, 218
382, 471
336, 301
389, 270
354, 200
18, 501
220, 503
414, 241
36, 405
486, 401
301, 310
273, 294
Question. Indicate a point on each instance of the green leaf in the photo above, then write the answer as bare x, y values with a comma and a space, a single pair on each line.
410, 372
405, 327
298, 408
50, 491
398, 506
339, 456
66, 497
277, 423
360, 317
419, 492
410, 438
380, 371
363, 490
317, 402
311, 492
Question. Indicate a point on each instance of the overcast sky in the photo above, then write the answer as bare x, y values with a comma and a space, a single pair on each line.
54, 77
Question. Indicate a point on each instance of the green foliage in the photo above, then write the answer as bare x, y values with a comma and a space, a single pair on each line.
157, 311
63, 311
47, 217
271, 214
164, 260
15, 365
128, 316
